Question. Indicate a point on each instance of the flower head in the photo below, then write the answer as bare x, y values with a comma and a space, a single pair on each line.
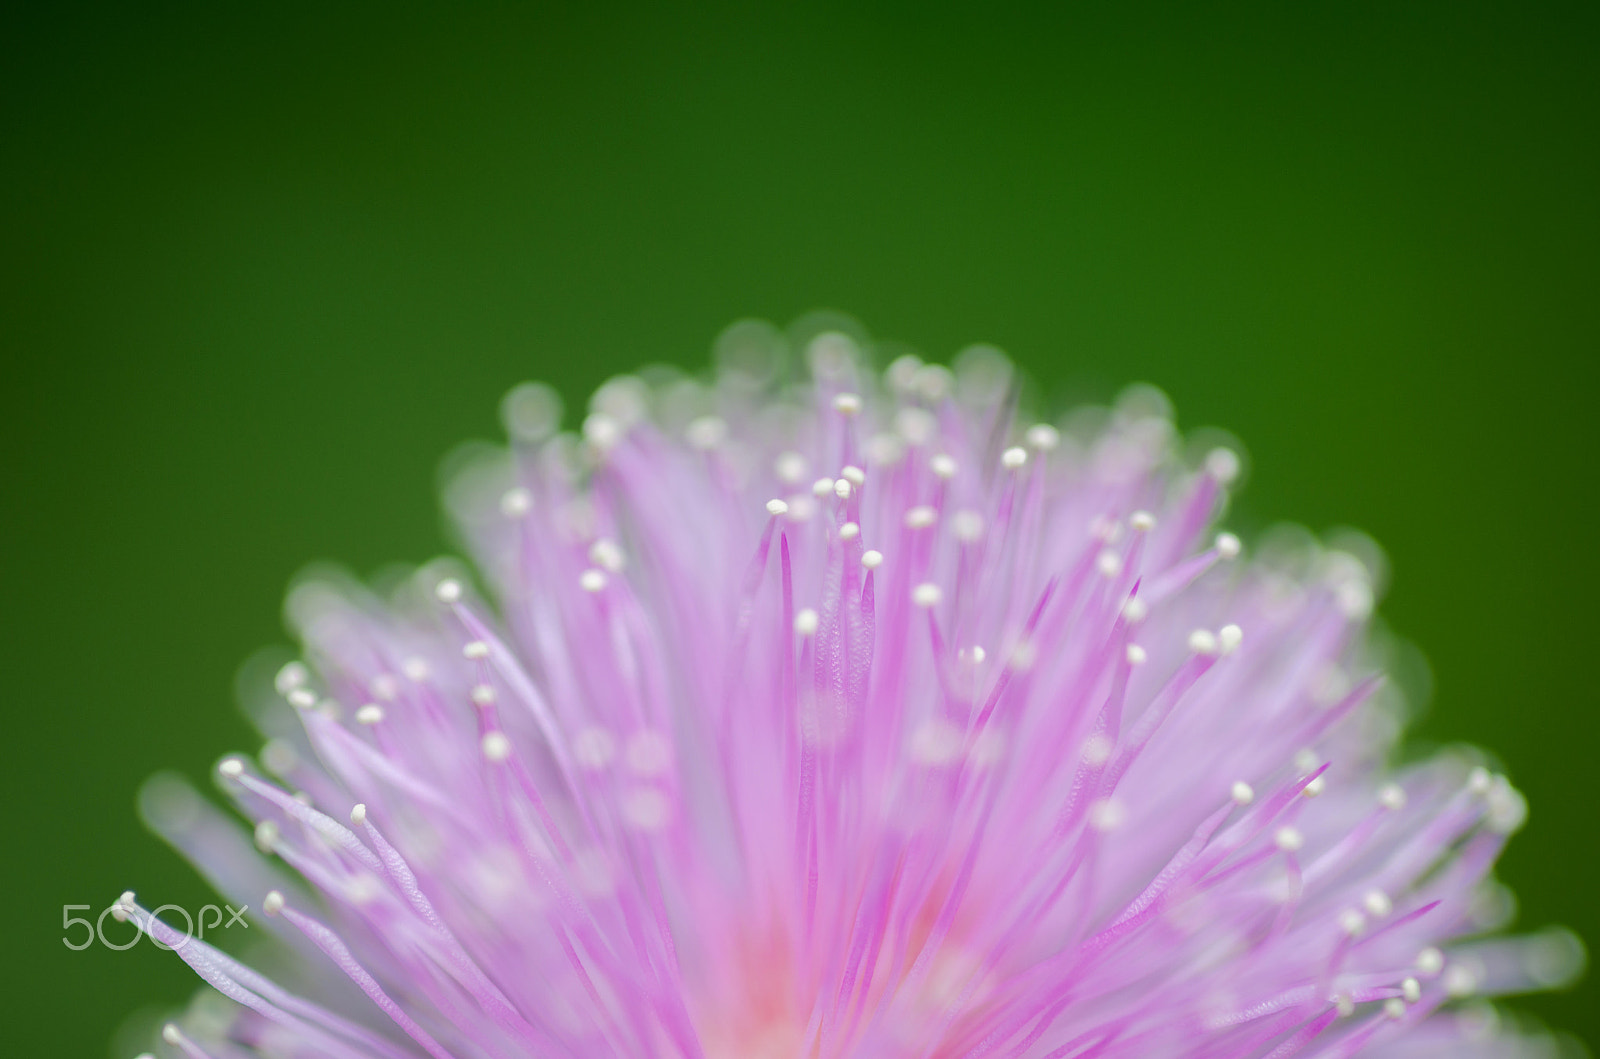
849, 718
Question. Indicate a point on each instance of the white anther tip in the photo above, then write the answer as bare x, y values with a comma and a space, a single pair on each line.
475, 649
806, 621
171, 1034
847, 403
1135, 610
448, 590
1142, 521
821, 487
231, 767
921, 517
369, 714
483, 694
1288, 839
1014, 458
1352, 922
942, 466
1228, 546
1229, 637
515, 503
496, 747
1043, 437
1392, 796
777, 507
1203, 642
1394, 1007
592, 580
291, 676
849, 531
1377, 903
854, 475
1314, 788
272, 904
1222, 464
927, 595
872, 559
1137, 655
1411, 990
1243, 793
1430, 961
358, 814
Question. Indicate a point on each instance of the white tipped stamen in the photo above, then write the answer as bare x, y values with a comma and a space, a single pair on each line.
266, 836
496, 747
415, 670
1014, 458
966, 526
1137, 656
1352, 922
291, 676
842, 488
1142, 522
1043, 437
872, 559
1228, 546
1306, 760
1203, 642
302, 698
705, 433
1229, 637
592, 580
1223, 465
171, 1034
607, 555
272, 904
1394, 1008
358, 814
514, 503
790, 467
369, 714
921, 517
821, 487
448, 590
854, 475
806, 621
475, 650
1479, 780
1460, 980
1096, 750
231, 767
1411, 990
927, 595
1430, 962
1107, 814
1344, 1006
942, 466
1109, 563
777, 507
1314, 788
1392, 797
974, 654
1243, 793
1135, 610
849, 531
483, 694
1377, 903
848, 404
1288, 839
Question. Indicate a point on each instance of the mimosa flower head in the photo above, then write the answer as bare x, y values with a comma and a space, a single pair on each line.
852, 716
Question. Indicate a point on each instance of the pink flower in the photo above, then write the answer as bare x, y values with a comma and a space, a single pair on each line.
851, 718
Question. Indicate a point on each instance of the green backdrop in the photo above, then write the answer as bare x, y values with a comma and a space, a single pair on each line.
263, 269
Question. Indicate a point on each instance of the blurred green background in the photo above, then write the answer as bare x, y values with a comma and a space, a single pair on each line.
263, 268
